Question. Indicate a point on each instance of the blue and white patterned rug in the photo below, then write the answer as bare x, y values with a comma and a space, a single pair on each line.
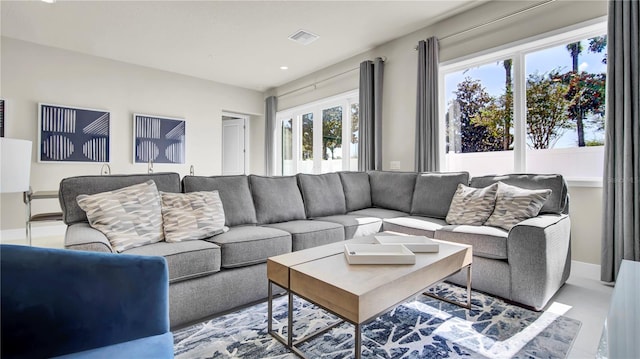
423, 327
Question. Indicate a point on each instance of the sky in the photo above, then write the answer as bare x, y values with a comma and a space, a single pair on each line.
543, 61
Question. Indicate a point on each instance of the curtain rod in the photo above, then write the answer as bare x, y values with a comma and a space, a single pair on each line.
384, 58
522, 11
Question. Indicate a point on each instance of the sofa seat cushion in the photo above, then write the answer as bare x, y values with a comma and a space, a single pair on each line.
414, 225
355, 225
310, 233
488, 242
379, 213
156, 346
246, 245
185, 260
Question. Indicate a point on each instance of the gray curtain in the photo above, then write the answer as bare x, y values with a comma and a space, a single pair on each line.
271, 106
370, 122
621, 182
427, 146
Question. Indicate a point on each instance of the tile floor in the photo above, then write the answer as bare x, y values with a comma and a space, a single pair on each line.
588, 297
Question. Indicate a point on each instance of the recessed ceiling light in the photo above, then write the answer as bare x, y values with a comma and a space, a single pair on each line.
284, 67
49, 1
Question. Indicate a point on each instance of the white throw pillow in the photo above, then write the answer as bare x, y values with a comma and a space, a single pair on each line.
129, 217
515, 204
193, 215
472, 206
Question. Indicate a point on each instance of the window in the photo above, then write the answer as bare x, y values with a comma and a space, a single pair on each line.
536, 107
311, 136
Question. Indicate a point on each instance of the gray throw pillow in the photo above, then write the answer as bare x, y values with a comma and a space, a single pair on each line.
515, 204
434, 191
472, 206
322, 194
129, 217
277, 199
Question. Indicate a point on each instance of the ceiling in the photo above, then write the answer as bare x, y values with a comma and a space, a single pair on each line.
241, 43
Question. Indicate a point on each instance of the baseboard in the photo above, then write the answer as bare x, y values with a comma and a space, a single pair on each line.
36, 232
585, 270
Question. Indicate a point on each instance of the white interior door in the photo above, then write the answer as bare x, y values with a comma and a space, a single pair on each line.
233, 146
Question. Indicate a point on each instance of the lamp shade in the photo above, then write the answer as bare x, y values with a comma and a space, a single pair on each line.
15, 168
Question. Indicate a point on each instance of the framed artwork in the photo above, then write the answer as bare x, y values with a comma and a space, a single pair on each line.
158, 139
2, 112
73, 134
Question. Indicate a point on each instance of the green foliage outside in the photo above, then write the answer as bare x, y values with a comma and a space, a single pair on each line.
556, 102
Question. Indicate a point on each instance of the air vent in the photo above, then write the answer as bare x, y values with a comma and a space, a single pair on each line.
303, 37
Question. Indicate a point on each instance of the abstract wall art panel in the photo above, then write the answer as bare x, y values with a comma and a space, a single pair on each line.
158, 139
73, 134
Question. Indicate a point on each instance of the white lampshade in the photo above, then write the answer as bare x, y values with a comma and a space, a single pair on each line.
15, 168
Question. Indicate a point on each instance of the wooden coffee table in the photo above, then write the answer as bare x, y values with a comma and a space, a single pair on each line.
358, 293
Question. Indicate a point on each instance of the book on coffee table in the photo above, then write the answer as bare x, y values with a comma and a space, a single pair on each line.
357, 253
416, 244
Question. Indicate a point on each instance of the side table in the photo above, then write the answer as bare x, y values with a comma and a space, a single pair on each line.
30, 196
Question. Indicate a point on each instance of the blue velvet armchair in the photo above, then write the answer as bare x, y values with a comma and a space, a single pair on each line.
78, 304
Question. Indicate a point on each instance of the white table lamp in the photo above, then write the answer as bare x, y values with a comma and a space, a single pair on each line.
15, 168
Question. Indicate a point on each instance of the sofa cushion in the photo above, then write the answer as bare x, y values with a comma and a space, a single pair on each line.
379, 213
71, 188
322, 194
246, 245
414, 225
276, 199
310, 233
129, 217
557, 201
234, 194
392, 190
355, 225
514, 205
193, 215
488, 242
357, 190
433, 193
185, 260
472, 206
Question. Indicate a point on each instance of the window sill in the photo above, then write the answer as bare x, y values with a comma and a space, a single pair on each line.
594, 182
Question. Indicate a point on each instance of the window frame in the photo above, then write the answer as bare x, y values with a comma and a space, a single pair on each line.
345, 99
517, 52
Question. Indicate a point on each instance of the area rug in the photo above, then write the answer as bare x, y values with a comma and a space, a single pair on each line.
422, 327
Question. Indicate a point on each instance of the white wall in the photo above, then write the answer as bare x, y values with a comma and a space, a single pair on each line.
400, 85
32, 73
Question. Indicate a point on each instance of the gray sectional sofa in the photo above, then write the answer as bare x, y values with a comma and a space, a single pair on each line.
268, 216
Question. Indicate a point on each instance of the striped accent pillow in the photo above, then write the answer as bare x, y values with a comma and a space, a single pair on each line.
193, 215
129, 217
472, 206
515, 204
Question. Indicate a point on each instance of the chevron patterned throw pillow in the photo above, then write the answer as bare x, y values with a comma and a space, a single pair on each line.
193, 215
472, 206
515, 204
129, 217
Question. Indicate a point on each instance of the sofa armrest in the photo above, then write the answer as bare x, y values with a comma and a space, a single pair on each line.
56, 302
539, 254
82, 236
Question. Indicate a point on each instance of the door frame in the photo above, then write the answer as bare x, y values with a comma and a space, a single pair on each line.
247, 150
